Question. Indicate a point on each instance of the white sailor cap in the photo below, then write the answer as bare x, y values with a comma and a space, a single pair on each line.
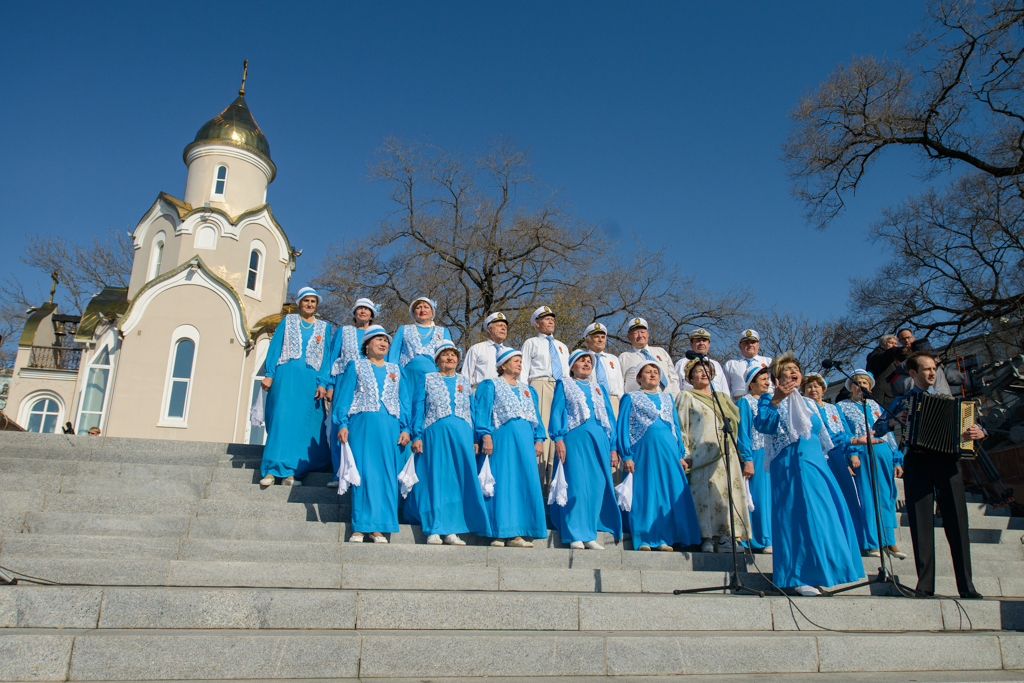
494, 317
750, 335
427, 299
574, 356
752, 372
700, 333
541, 312
375, 331
644, 365
635, 323
365, 303
446, 345
595, 327
865, 373
308, 291
505, 356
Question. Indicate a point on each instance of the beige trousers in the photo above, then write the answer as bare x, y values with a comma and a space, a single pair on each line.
545, 389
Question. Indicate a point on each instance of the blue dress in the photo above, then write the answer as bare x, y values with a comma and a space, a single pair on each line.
296, 433
412, 349
373, 437
751, 446
839, 463
340, 359
662, 510
447, 499
853, 419
814, 540
591, 507
517, 506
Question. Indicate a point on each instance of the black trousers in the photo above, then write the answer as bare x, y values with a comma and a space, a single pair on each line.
925, 475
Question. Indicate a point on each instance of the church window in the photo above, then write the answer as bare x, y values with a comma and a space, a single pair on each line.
94, 395
156, 257
220, 181
254, 270
43, 416
254, 274
180, 377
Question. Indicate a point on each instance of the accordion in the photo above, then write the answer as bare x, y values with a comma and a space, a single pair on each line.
937, 422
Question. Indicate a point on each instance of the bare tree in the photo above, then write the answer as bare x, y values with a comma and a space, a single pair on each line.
481, 234
811, 341
955, 98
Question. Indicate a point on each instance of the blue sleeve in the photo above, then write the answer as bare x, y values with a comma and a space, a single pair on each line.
419, 409
344, 394
743, 434
395, 350
323, 378
483, 424
405, 407
447, 334
622, 428
558, 420
767, 419
614, 439
840, 437
274, 351
538, 432
850, 431
336, 337
882, 424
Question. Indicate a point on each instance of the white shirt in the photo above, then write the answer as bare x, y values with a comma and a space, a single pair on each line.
613, 372
719, 383
537, 358
480, 362
736, 368
633, 358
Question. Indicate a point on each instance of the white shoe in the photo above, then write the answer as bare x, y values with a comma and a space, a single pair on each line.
725, 545
645, 548
433, 539
665, 548
267, 480
576, 545
519, 542
355, 538
290, 481
767, 550
593, 545
497, 543
708, 546
898, 554
870, 553
807, 591
452, 539
333, 484
379, 539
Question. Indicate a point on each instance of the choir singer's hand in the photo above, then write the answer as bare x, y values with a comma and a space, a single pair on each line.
559, 450
538, 448
898, 471
784, 389
687, 463
615, 459
863, 440
330, 394
854, 463
267, 381
343, 435
417, 446
487, 444
628, 466
748, 469
403, 439
320, 393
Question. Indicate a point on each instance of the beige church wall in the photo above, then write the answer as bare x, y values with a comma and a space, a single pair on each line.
246, 186
143, 255
139, 390
253, 368
28, 386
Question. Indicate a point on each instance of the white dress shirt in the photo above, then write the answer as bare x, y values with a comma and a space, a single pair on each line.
736, 368
613, 371
480, 362
537, 358
719, 383
633, 358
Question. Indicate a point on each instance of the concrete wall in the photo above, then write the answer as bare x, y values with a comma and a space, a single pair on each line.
138, 395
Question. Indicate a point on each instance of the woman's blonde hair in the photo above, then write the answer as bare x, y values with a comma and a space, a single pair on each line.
780, 362
808, 379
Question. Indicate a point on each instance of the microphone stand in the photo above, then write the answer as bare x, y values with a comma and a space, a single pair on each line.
884, 576
735, 584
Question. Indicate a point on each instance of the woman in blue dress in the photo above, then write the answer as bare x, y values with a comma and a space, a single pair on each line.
446, 501
583, 429
841, 459
751, 446
508, 428
371, 414
651, 447
812, 533
295, 377
888, 466
414, 345
347, 342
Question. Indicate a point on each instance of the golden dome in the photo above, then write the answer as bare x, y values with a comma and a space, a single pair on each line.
234, 126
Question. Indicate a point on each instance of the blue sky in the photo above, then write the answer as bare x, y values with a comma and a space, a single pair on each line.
663, 118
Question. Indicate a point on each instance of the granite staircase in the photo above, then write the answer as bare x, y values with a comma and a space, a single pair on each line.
169, 562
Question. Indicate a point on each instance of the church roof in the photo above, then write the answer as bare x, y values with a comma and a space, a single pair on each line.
234, 126
268, 324
111, 302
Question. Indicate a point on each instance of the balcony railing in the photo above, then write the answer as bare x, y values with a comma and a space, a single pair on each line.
55, 358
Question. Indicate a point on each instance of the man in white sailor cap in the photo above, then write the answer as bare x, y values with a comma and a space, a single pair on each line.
607, 372
545, 360
638, 335
700, 342
479, 363
750, 348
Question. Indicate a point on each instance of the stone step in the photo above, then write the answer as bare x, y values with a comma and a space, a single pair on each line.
92, 524
112, 504
229, 491
133, 654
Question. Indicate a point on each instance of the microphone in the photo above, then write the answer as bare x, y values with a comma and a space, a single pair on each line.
691, 355
828, 364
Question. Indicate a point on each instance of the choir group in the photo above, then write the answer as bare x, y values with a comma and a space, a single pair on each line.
610, 440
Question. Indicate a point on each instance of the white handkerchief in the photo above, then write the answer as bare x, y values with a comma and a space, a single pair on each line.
559, 493
256, 418
624, 493
486, 478
750, 498
407, 477
347, 473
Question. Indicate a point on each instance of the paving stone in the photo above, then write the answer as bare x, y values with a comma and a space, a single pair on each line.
77, 503
11, 522
221, 550
94, 547
25, 657
556, 558
178, 608
908, 652
259, 574
106, 525
855, 614
286, 512
413, 555
21, 501
136, 471
322, 495
671, 613
572, 580
407, 577
964, 615
468, 611
136, 487
1009, 586
663, 655
160, 655
657, 581
252, 475
25, 482
1012, 649
25, 606
128, 571
483, 654
264, 530
29, 467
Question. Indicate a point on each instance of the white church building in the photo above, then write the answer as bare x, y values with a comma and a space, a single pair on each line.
179, 353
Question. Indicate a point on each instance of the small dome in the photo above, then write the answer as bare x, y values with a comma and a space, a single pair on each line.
235, 125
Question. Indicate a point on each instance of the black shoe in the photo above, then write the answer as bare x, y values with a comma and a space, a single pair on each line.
972, 595
930, 594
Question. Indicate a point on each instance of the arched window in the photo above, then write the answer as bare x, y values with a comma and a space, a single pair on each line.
156, 256
94, 395
254, 270
220, 182
254, 275
42, 412
180, 377
206, 237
